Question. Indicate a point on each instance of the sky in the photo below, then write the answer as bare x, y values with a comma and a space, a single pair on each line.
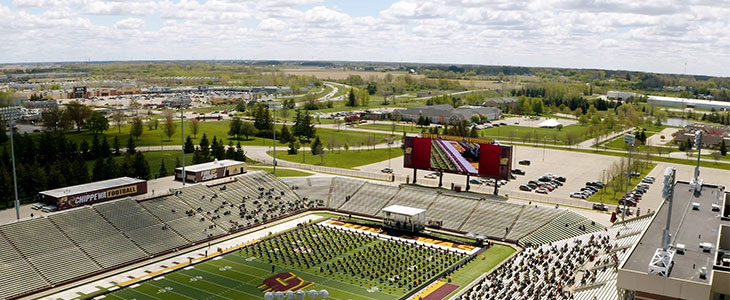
691, 36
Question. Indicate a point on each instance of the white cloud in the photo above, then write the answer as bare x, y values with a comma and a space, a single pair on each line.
129, 23
651, 35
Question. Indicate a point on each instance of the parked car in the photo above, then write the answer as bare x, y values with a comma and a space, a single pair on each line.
627, 201
476, 181
532, 185
647, 180
556, 182
577, 195
518, 172
600, 206
628, 211
387, 170
560, 178
432, 175
525, 187
48, 208
524, 162
36, 206
542, 190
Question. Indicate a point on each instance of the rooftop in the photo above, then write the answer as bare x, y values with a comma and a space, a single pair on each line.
403, 210
211, 165
723, 104
91, 187
689, 227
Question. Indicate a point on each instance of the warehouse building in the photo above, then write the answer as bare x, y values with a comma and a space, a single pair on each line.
94, 192
445, 113
688, 103
211, 170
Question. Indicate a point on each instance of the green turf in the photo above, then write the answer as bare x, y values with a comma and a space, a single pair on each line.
237, 275
339, 158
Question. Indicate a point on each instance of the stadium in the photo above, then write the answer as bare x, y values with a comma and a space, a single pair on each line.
257, 236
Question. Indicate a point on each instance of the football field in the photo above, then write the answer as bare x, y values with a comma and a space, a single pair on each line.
348, 265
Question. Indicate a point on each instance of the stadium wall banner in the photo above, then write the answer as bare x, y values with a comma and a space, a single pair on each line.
89, 198
459, 155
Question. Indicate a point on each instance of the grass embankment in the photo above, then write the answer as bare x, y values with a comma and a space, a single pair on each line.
616, 188
339, 158
280, 172
475, 268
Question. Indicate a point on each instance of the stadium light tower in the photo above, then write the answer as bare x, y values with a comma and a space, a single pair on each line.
696, 183
274, 107
182, 102
661, 262
11, 114
629, 139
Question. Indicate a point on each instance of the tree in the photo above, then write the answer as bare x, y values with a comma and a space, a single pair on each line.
351, 101
294, 146
303, 127
723, 148
170, 127
163, 171
118, 118
716, 156
234, 128
84, 149
595, 119
52, 118
115, 144
262, 118
231, 151
94, 151
318, 148
104, 150
583, 120
137, 127
248, 129
195, 126
204, 149
660, 116
141, 166
537, 106
188, 146
218, 149
241, 106
560, 127
78, 113
285, 135
99, 171
130, 146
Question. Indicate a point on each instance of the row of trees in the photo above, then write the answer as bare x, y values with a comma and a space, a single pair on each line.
50, 160
208, 150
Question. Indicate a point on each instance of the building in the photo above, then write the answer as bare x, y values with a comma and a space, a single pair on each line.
688, 103
616, 95
700, 239
445, 113
712, 136
212, 170
94, 192
500, 101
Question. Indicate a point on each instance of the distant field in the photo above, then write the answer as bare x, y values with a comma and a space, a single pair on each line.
337, 74
339, 158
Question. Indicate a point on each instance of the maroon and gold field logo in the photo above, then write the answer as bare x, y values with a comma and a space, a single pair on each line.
284, 282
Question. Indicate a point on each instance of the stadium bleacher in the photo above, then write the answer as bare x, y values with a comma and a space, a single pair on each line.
370, 199
49, 250
95, 236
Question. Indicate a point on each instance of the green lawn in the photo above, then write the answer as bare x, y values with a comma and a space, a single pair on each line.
546, 135
280, 172
339, 158
399, 128
218, 129
610, 195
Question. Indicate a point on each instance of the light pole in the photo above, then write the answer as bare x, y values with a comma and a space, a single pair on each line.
274, 107
181, 102
11, 114
629, 139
